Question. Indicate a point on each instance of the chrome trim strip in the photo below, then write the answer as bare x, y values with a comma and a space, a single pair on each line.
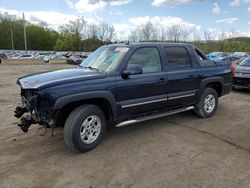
153, 116
181, 96
142, 103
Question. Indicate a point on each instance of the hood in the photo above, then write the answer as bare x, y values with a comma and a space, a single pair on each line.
58, 77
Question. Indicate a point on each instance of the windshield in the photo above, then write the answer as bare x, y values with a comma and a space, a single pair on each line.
245, 62
105, 59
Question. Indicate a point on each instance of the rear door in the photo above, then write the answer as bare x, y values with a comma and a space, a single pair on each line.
182, 83
144, 92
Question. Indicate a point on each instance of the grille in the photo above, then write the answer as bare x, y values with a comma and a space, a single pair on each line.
28, 93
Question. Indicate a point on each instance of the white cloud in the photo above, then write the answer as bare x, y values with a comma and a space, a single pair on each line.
84, 6
216, 9
53, 19
167, 21
119, 2
227, 20
248, 9
70, 4
235, 3
88, 6
238, 2
171, 3
122, 31
115, 13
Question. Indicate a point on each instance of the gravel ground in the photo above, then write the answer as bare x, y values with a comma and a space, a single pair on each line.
181, 150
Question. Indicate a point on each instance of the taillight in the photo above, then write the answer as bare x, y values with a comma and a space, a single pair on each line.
233, 70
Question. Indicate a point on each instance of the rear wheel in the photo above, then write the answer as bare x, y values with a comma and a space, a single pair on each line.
207, 105
84, 128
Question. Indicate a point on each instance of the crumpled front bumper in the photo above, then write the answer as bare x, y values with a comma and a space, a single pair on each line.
25, 121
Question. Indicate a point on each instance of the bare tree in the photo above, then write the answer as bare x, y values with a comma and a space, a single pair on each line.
133, 37
222, 36
177, 33
75, 28
91, 31
105, 31
102, 31
148, 31
161, 33
209, 36
233, 33
111, 33
136, 35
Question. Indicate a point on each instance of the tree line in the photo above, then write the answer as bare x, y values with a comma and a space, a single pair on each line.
79, 35
213, 41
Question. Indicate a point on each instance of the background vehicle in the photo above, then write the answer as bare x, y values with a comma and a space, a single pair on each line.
122, 84
242, 74
74, 59
48, 58
214, 57
2, 56
24, 56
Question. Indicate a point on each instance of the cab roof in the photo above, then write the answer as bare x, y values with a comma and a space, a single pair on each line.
149, 43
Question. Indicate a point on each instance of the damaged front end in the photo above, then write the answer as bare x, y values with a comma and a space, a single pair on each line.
28, 111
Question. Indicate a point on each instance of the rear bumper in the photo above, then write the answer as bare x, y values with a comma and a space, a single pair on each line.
241, 82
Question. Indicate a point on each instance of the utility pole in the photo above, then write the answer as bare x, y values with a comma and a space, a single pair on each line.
12, 41
24, 34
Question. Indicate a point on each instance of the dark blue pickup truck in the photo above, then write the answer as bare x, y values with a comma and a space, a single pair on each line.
122, 84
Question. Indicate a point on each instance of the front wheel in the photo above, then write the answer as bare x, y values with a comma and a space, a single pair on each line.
84, 128
207, 105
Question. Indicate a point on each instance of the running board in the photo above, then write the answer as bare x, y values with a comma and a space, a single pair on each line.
124, 123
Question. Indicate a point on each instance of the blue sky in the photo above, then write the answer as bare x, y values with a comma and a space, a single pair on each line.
126, 14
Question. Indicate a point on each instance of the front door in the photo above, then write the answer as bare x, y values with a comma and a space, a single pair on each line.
144, 92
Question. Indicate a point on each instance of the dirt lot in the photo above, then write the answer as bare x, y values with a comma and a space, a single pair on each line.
176, 151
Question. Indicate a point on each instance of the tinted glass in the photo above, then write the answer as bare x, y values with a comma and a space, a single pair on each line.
178, 57
245, 62
148, 58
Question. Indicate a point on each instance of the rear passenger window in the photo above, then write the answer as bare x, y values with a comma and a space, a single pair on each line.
148, 58
178, 57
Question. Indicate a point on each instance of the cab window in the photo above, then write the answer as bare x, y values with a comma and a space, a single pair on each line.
148, 58
178, 57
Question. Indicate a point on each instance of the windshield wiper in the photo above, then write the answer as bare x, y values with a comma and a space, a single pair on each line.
92, 68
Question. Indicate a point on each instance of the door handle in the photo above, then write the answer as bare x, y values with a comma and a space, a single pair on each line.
193, 76
162, 80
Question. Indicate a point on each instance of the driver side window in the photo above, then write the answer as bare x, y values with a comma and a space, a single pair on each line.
148, 58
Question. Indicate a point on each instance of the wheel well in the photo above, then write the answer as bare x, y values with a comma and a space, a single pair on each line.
216, 86
62, 114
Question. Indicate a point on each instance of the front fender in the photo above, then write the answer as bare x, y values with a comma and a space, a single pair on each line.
62, 101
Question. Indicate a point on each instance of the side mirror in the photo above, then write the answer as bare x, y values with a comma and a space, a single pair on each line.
132, 69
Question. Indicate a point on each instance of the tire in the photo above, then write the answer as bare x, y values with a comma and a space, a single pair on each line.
84, 128
207, 105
